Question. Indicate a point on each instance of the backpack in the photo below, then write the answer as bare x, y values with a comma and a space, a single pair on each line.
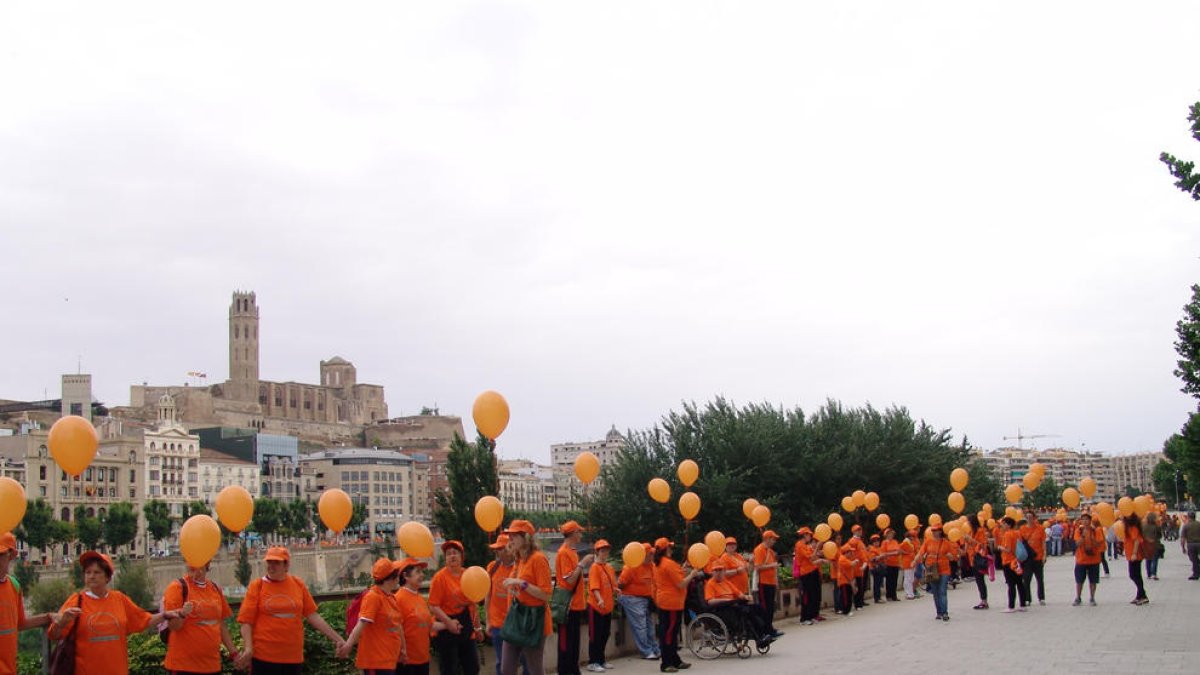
353, 609
1022, 550
164, 630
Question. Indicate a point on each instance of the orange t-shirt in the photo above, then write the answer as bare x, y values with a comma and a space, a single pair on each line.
1035, 537
740, 579
804, 554
196, 647
637, 581
565, 563
382, 641
536, 570
908, 553
720, 590
12, 615
601, 579
417, 622
1009, 541
275, 611
100, 638
764, 555
667, 576
938, 553
1133, 544
445, 593
845, 573
860, 554
1097, 544
890, 546
976, 545
497, 602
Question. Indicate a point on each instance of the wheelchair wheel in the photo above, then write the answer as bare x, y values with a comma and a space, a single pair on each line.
743, 649
707, 636
763, 649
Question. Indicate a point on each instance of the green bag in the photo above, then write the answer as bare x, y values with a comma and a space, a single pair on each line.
524, 624
560, 604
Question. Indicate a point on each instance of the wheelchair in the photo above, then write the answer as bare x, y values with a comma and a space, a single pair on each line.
712, 631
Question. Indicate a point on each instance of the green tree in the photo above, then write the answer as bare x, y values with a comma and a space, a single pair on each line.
267, 517
1187, 345
471, 473
1167, 481
296, 519
1047, 495
49, 596
1182, 450
120, 525
243, 570
1186, 178
88, 529
158, 519
26, 574
134, 579
37, 527
195, 508
358, 516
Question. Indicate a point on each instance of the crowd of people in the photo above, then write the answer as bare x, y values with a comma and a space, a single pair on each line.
396, 627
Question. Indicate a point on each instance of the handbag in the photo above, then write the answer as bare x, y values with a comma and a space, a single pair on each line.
1022, 551
523, 625
560, 605
62, 659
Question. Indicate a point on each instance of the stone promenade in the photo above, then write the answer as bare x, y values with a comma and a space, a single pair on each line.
1114, 637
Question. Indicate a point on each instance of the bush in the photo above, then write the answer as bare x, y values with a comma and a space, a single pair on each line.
133, 579
318, 651
26, 575
49, 596
146, 653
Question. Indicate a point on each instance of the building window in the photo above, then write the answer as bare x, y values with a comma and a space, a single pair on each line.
133, 475
42, 473
112, 475
42, 490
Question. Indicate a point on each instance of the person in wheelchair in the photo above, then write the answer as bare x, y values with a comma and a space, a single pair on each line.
736, 608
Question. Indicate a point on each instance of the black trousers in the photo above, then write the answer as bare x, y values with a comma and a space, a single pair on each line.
877, 581
568, 643
1135, 574
860, 591
268, 668
1035, 569
599, 628
413, 669
810, 595
981, 584
669, 621
766, 600
1016, 588
458, 653
890, 581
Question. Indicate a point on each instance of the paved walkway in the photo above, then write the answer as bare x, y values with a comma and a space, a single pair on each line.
1114, 637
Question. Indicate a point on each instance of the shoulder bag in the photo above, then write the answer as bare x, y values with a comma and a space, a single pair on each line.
62, 659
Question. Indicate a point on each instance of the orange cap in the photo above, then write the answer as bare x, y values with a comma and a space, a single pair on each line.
90, 557
382, 569
520, 527
570, 527
278, 554
663, 543
730, 540
501, 542
856, 528
7, 542
453, 543
803, 531
649, 548
403, 565
771, 534
602, 543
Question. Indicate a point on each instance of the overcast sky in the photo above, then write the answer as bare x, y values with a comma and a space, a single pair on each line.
601, 212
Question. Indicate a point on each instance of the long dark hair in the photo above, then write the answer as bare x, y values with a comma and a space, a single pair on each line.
1132, 521
660, 553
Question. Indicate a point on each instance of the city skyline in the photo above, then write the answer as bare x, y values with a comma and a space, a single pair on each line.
872, 204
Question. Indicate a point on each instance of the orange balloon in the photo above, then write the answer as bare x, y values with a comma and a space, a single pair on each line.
72, 443
199, 540
475, 583
587, 467
1118, 527
689, 505
1105, 512
489, 513
715, 541
859, 498
1142, 505
848, 504
935, 519
699, 555
911, 521
1039, 469
1014, 513
829, 550
688, 472
415, 539
871, 501
1031, 481
835, 521
953, 533
634, 554
490, 413
822, 532
336, 509
1125, 506
956, 501
958, 479
659, 490
882, 521
748, 507
235, 508
1070, 497
991, 523
12, 504
761, 516
987, 508
1013, 494
1087, 486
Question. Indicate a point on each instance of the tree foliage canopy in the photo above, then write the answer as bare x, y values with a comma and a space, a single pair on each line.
1187, 330
1186, 178
471, 473
800, 466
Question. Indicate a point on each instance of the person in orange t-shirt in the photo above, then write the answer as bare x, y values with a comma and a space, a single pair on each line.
415, 618
569, 575
272, 619
532, 587
496, 604
1035, 537
100, 620
937, 552
889, 552
736, 569
1006, 544
863, 557
12, 608
670, 594
455, 645
1089, 548
766, 563
806, 572
908, 563
844, 573
1133, 554
637, 595
195, 643
732, 605
379, 633
977, 558
602, 582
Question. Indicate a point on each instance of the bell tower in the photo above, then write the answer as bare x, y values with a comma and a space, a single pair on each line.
243, 348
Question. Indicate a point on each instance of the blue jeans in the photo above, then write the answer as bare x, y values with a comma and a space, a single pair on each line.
498, 647
637, 611
939, 595
1152, 566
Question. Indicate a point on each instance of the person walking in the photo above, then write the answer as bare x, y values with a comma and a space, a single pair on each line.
1013, 574
379, 632
602, 583
977, 558
100, 620
272, 619
569, 575
1034, 536
766, 563
636, 585
805, 570
530, 586
1089, 550
1134, 553
936, 553
1152, 536
670, 593
12, 608
195, 640
415, 618
457, 654
1056, 539
1189, 540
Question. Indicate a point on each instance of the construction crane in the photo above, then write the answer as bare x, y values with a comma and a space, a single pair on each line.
1020, 438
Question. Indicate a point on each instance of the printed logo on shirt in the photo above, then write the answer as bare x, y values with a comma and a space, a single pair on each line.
103, 627
281, 606
205, 612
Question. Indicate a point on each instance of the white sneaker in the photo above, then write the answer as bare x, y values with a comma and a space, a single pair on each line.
595, 668
608, 666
